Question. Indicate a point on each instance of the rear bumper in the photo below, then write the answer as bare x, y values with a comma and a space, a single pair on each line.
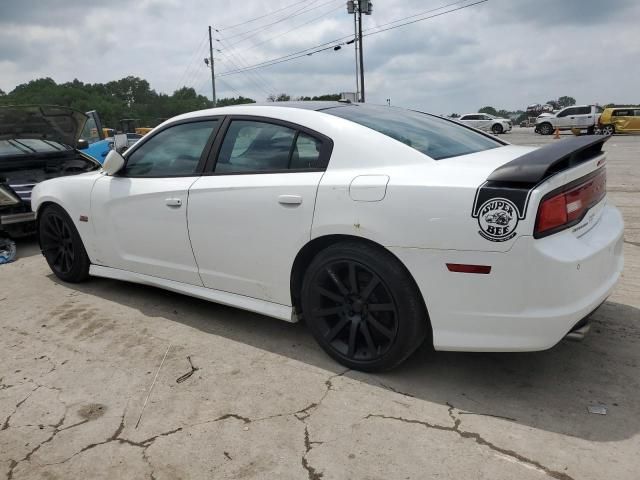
534, 296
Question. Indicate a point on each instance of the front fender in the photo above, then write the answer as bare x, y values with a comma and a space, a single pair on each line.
72, 193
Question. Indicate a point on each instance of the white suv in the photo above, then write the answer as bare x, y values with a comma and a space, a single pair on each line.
484, 121
583, 117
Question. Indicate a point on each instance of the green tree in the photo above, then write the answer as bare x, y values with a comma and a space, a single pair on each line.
566, 101
488, 110
454, 115
240, 100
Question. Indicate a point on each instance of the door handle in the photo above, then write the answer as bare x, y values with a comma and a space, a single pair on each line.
290, 199
173, 202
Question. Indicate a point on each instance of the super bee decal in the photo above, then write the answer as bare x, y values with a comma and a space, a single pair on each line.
498, 220
498, 210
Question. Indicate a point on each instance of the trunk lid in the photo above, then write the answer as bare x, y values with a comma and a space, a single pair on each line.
506, 203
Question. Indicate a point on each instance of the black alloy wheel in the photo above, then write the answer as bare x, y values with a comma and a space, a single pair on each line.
497, 129
61, 245
363, 308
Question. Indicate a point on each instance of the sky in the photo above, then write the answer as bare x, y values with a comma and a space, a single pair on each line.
503, 53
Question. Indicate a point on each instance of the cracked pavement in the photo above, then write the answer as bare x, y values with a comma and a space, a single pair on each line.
245, 396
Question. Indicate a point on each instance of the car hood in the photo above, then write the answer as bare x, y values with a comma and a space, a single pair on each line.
60, 124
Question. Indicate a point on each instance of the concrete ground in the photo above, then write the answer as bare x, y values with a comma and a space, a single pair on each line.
77, 363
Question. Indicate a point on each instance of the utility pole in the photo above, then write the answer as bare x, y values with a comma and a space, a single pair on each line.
357, 8
360, 2
355, 49
213, 73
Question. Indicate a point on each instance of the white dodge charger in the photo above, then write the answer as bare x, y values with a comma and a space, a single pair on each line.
381, 228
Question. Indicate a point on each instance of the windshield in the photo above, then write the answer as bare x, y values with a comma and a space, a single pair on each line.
434, 136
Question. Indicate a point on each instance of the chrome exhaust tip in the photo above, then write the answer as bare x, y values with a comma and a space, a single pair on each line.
578, 334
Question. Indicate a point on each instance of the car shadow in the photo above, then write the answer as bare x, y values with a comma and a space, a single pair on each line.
27, 247
548, 390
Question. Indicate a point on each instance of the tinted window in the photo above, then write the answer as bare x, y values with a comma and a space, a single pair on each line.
582, 110
250, 146
306, 153
636, 113
622, 113
568, 111
431, 135
172, 152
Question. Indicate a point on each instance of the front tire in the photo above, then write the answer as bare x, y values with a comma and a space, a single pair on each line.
608, 130
545, 129
363, 307
497, 129
62, 246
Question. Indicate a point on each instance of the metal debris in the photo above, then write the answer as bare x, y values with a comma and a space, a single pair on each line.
598, 409
188, 374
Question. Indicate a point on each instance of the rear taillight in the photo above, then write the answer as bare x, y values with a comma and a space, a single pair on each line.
567, 206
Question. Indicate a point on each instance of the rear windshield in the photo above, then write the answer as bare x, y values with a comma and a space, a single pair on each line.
436, 137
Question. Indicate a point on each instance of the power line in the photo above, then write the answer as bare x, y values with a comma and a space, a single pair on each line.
298, 54
253, 45
425, 18
256, 77
418, 14
296, 13
310, 51
189, 65
258, 18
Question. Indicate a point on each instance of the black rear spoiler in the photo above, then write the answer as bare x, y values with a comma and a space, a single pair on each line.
535, 166
515, 180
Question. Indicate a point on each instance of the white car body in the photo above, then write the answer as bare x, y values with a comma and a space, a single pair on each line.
234, 239
486, 122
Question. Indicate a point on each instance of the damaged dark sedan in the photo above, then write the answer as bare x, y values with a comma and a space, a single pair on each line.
37, 143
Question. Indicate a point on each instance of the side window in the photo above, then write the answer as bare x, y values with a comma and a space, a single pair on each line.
306, 153
465, 117
636, 113
251, 146
582, 110
566, 112
622, 113
173, 152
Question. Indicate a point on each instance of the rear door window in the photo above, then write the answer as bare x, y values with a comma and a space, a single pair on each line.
252, 146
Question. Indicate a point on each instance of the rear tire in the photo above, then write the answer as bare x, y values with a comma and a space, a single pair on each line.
497, 129
545, 129
363, 307
62, 246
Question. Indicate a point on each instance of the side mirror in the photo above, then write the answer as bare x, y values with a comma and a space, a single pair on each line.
113, 163
82, 144
120, 142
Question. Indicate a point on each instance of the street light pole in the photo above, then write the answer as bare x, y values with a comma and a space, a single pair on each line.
357, 8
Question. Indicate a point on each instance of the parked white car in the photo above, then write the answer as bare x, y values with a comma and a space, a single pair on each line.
583, 117
489, 123
380, 227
